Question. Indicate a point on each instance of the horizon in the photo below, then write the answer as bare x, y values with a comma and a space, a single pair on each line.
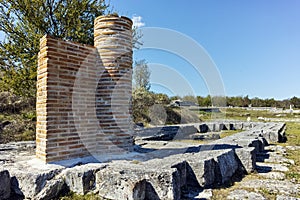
159, 92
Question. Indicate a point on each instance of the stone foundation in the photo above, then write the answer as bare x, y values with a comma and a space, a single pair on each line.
178, 171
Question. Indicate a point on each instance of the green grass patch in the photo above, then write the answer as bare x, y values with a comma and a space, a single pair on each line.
293, 139
293, 134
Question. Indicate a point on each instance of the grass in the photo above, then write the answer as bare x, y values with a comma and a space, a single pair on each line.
193, 141
73, 196
222, 193
21, 127
228, 133
293, 136
242, 114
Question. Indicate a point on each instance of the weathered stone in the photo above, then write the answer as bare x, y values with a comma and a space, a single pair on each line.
206, 136
284, 197
211, 167
183, 169
123, 180
228, 165
4, 184
238, 125
203, 128
274, 157
223, 127
244, 194
275, 186
277, 149
188, 129
81, 179
205, 194
275, 133
211, 127
261, 167
247, 157
31, 183
52, 189
273, 175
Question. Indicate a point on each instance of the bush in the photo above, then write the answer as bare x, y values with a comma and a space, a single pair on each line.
17, 118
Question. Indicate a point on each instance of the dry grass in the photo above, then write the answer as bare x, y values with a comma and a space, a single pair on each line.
228, 133
73, 196
293, 136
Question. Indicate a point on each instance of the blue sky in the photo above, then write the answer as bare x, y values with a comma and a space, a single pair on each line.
254, 44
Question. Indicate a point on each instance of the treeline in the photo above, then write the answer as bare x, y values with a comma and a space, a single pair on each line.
240, 101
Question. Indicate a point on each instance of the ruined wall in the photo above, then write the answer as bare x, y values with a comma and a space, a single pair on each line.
84, 92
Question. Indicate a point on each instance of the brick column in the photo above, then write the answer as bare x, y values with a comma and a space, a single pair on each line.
113, 40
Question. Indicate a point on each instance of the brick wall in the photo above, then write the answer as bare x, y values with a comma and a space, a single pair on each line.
84, 93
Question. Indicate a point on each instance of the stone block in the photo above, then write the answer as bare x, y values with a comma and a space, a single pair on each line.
4, 184
211, 127
123, 180
52, 189
81, 179
228, 165
30, 184
203, 128
247, 157
188, 130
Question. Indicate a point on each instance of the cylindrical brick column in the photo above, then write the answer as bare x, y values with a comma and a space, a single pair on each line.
113, 40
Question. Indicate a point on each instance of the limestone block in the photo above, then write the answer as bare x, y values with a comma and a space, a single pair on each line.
228, 165
247, 157
123, 180
31, 183
52, 189
81, 179
203, 128
4, 184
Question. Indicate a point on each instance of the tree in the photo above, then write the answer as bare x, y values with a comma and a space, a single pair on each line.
142, 100
295, 102
141, 75
190, 98
24, 22
205, 101
161, 98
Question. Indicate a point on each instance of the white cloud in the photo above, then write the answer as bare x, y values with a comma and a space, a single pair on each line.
137, 22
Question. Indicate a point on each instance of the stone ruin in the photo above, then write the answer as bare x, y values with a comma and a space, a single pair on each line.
176, 171
83, 98
84, 93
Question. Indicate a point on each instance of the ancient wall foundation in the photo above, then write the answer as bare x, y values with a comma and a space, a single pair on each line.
84, 93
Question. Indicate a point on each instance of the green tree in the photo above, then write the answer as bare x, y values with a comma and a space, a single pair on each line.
218, 101
204, 101
24, 22
190, 98
142, 100
295, 102
141, 75
161, 99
